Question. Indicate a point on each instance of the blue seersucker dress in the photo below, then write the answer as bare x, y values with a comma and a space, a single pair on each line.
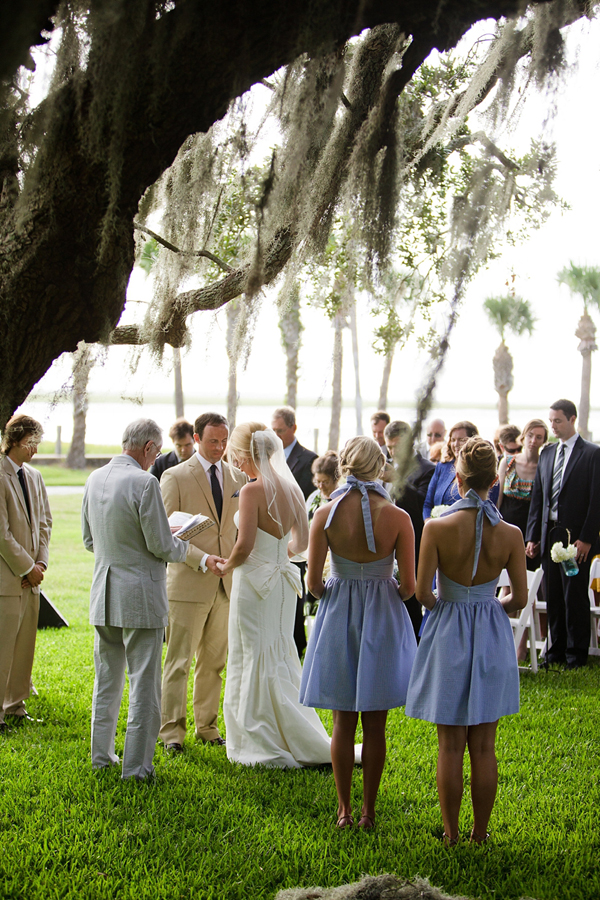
466, 669
362, 646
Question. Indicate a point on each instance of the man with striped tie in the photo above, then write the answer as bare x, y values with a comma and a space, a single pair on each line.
565, 506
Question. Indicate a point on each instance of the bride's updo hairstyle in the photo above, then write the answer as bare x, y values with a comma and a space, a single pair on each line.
240, 440
363, 458
477, 464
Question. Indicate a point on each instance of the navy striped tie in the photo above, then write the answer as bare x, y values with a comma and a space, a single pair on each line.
556, 482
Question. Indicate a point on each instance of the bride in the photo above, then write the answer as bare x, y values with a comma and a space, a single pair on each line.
264, 720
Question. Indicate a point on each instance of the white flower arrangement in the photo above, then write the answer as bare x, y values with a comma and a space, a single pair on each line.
437, 511
560, 553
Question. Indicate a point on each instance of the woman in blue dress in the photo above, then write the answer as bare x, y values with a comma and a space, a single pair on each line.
362, 646
443, 490
465, 674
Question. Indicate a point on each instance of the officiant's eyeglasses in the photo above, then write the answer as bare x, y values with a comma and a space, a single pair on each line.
158, 450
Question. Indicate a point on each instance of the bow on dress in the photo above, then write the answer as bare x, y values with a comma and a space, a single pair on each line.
364, 487
264, 578
472, 500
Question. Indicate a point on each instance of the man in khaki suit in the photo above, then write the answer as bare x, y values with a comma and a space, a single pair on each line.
198, 594
25, 525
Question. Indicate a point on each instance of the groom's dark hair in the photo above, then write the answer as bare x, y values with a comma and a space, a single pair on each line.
208, 419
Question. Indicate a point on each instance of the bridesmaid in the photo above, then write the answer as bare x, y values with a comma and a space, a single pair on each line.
465, 675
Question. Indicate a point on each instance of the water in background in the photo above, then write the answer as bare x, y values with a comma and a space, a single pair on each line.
107, 421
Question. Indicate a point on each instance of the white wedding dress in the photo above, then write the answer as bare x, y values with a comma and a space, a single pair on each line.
264, 720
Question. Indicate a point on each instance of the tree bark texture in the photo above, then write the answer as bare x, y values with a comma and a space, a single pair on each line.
336, 389
503, 380
179, 401
385, 381
83, 362
56, 287
290, 326
233, 311
357, 393
586, 332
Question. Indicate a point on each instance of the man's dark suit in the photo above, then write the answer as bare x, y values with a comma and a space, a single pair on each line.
411, 499
579, 512
164, 462
300, 461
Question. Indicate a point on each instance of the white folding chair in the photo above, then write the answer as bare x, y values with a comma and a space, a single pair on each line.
526, 620
594, 610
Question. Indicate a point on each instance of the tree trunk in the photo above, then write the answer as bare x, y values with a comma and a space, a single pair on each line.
83, 362
586, 332
503, 380
357, 394
233, 311
385, 381
290, 326
179, 404
336, 392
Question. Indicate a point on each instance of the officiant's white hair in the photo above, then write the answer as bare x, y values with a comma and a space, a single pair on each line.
138, 433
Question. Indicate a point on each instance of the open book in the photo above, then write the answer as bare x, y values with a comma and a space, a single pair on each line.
189, 525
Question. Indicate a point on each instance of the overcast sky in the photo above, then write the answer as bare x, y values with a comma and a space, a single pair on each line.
547, 365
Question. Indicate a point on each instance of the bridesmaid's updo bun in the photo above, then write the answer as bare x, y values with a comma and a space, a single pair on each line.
363, 458
477, 464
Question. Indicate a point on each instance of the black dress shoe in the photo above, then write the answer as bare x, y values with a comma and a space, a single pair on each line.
216, 742
3, 727
574, 664
16, 721
551, 659
173, 749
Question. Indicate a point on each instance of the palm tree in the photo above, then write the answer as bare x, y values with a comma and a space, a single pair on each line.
585, 281
508, 313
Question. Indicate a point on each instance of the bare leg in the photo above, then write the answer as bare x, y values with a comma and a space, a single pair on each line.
342, 758
373, 759
452, 741
481, 740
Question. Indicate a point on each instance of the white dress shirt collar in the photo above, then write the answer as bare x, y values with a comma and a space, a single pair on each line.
287, 450
206, 466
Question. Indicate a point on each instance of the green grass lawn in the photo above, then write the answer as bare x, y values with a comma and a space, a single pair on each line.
207, 829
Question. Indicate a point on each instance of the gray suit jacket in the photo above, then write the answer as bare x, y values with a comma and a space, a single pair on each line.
22, 542
125, 525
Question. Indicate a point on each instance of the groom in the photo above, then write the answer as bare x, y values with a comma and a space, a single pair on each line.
198, 595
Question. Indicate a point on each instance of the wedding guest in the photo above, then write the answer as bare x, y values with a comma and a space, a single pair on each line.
299, 460
506, 440
181, 433
410, 496
465, 675
442, 490
362, 645
565, 506
379, 420
25, 526
326, 477
434, 434
516, 475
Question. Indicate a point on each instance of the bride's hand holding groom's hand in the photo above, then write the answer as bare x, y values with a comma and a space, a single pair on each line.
214, 564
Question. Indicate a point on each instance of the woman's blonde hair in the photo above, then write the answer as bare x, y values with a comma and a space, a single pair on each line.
363, 458
534, 423
240, 441
477, 464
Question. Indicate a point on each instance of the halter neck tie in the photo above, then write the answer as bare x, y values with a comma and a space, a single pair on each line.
364, 487
473, 501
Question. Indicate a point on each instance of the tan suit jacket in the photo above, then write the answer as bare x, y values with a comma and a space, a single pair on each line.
186, 488
22, 542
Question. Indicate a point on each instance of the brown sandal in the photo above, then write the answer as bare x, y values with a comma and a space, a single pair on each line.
447, 841
478, 838
366, 822
345, 822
